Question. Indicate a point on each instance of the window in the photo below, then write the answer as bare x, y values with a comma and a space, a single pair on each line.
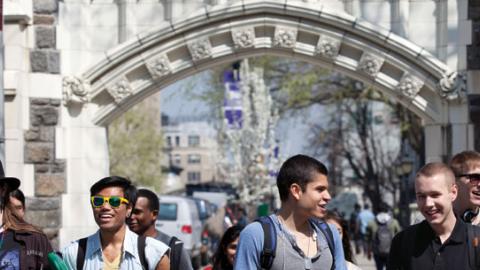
193, 140
177, 140
168, 211
194, 159
193, 177
169, 141
177, 159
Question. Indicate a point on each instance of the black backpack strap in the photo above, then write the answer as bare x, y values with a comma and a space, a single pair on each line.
325, 229
82, 248
269, 242
141, 251
473, 243
176, 247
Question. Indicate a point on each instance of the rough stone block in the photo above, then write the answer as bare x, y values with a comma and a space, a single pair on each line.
49, 184
44, 218
54, 62
38, 61
36, 203
45, 6
55, 102
39, 101
47, 134
31, 135
38, 152
58, 166
45, 37
43, 115
473, 57
43, 19
41, 168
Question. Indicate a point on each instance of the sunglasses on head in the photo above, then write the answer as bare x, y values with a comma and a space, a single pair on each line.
472, 177
114, 201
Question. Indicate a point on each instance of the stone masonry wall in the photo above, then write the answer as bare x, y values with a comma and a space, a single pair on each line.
44, 209
45, 57
473, 63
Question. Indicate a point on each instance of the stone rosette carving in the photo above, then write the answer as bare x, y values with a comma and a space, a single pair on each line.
74, 90
328, 46
285, 37
159, 66
200, 49
370, 64
453, 86
120, 90
409, 85
243, 37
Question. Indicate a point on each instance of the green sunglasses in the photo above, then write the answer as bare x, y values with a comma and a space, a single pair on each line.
114, 201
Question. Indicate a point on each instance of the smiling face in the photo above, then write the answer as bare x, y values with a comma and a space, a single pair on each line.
17, 206
469, 189
110, 218
142, 217
231, 250
435, 195
313, 200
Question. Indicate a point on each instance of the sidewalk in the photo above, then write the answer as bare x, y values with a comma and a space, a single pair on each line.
364, 263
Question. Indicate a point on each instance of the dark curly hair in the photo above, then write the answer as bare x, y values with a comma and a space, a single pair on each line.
220, 261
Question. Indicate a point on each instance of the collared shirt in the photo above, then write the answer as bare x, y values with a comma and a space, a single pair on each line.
418, 247
130, 260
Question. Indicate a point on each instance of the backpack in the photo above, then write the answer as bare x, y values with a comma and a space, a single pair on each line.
382, 240
473, 242
82, 247
176, 247
270, 240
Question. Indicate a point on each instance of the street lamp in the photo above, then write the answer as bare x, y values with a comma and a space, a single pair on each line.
403, 171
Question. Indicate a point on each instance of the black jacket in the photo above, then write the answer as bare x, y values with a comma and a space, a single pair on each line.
34, 251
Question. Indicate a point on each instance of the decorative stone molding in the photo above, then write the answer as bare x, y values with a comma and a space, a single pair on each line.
328, 46
285, 37
409, 85
159, 67
200, 49
120, 90
453, 86
74, 91
370, 64
243, 37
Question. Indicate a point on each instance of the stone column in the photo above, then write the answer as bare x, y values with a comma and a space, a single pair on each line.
400, 14
435, 143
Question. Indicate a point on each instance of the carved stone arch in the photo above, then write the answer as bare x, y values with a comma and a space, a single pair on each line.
151, 61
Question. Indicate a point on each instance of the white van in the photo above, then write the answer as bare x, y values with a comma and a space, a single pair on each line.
178, 216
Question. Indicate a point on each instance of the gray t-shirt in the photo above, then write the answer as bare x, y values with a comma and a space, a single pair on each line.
185, 262
287, 255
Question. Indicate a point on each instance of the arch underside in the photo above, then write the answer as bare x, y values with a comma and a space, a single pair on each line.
154, 60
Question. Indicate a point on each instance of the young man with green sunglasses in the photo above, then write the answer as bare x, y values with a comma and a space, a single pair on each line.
114, 246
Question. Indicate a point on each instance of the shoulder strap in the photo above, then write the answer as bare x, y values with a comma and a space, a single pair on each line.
269, 242
141, 251
473, 243
175, 252
325, 229
82, 247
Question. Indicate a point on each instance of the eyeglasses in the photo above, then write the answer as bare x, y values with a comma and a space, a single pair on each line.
472, 177
114, 201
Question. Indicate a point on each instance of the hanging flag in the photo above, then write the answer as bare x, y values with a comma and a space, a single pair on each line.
232, 103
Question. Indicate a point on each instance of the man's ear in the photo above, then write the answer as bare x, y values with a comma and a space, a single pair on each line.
296, 191
129, 210
154, 214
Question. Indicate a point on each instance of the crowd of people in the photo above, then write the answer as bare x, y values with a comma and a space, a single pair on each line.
301, 234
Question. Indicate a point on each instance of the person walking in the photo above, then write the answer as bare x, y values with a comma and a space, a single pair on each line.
114, 246
466, 167
441, 241
364, 217
301, 241
22, 245
142, 222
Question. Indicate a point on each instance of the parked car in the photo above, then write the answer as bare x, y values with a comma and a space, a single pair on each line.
179, 216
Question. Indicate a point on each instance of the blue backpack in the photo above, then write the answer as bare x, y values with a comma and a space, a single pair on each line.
270, 240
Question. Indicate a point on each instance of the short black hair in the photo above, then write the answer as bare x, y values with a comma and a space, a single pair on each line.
152, 198
129, 190
299, 169
18, 194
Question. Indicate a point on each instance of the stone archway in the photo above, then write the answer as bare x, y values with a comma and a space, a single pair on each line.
137, 68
